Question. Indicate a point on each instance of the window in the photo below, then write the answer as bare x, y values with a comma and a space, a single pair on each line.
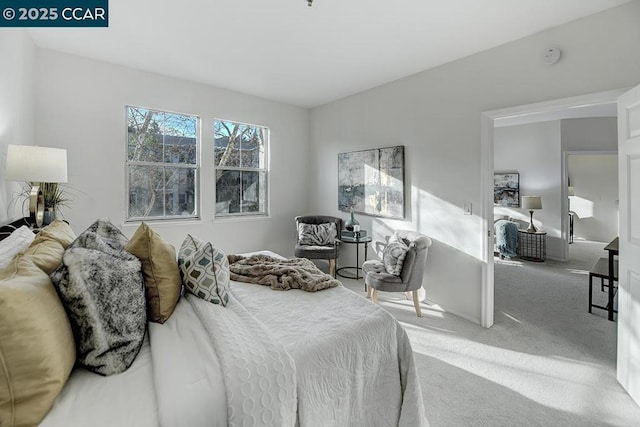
162, 164
240, 159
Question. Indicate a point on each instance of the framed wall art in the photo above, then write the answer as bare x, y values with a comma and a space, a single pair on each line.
371, 182
506, 189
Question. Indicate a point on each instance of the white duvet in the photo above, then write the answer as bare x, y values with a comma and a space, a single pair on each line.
345, 362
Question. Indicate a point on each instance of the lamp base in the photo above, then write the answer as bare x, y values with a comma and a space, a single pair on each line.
36, 206
532, 228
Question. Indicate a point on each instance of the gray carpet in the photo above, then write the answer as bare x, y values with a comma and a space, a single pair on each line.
545, 362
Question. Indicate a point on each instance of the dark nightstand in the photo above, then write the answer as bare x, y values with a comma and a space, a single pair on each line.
532, 246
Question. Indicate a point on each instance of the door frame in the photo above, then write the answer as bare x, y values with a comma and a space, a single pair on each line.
487, 122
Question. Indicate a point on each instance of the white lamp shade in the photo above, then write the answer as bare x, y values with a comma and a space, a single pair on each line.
36, 164
531, 202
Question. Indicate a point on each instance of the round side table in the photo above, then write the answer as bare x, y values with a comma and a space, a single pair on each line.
355, 241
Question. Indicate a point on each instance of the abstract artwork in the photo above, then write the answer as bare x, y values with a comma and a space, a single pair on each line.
371, 182
506, 189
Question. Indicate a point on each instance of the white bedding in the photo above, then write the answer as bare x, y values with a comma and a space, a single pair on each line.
126, 399
353, 366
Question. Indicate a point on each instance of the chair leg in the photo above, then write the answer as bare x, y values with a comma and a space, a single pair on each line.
416, 303
374, 296
407, 295
332, 267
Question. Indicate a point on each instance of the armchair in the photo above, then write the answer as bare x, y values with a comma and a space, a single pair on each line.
329, 251
377, 278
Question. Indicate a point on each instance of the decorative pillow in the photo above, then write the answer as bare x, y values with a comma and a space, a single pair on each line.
17, 242
59, 231
160, 271
317, 234
394, 254
204, 270
47, 248
45, 252
37, 352
102, 290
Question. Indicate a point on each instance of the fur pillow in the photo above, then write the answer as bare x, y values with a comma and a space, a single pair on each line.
204, 270
100, 285
394, 254
317, 234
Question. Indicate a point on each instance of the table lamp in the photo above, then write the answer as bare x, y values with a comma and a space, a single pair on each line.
531, 203
36, 165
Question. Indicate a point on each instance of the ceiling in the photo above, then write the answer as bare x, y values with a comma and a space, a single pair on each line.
308, 56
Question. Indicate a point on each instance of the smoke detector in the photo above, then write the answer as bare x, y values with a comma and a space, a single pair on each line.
551, 56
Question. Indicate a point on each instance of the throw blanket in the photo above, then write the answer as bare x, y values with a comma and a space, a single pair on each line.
280, 274
259, 375
506, 237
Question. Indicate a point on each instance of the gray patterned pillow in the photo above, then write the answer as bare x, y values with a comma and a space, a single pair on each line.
317, 234
204, 270
100, 285
394, 254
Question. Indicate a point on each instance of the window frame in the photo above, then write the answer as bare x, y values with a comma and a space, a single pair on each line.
195, 167
266, 170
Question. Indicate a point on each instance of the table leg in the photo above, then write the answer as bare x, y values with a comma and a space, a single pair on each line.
357, 261
366, 245
610, 305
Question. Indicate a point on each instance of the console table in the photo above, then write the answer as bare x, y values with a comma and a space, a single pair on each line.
532, 246
612, 249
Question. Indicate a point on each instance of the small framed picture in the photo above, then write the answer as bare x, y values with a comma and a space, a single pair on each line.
506, 189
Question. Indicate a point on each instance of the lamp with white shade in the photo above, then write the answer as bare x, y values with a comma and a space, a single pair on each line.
531, 203
36, 165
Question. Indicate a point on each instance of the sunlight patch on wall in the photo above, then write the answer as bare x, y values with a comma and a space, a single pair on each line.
582, 207
437, 219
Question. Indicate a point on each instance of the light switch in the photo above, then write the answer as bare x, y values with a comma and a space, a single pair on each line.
467, 208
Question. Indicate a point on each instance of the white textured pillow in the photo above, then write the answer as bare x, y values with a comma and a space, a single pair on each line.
204, 270
17, 242
394, 254
317, 234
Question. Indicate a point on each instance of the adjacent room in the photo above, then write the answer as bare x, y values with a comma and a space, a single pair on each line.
320, 213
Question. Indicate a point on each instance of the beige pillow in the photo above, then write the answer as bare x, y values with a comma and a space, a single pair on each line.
45, 252
60, 231
160, 270
37, 351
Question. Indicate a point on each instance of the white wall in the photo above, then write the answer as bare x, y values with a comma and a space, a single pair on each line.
595, 180
533, 150
17, 59
590, 134
436, 115
81, 107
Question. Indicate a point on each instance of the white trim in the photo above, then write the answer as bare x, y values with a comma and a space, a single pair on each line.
487, 119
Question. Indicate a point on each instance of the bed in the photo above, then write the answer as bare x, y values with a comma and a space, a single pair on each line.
328, 358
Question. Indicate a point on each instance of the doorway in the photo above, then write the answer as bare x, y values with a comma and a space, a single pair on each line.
554, 108
592, 205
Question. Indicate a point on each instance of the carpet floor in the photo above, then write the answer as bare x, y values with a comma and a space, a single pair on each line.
545, 362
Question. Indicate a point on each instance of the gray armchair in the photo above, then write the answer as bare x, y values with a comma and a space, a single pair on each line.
410, 280
329, 252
